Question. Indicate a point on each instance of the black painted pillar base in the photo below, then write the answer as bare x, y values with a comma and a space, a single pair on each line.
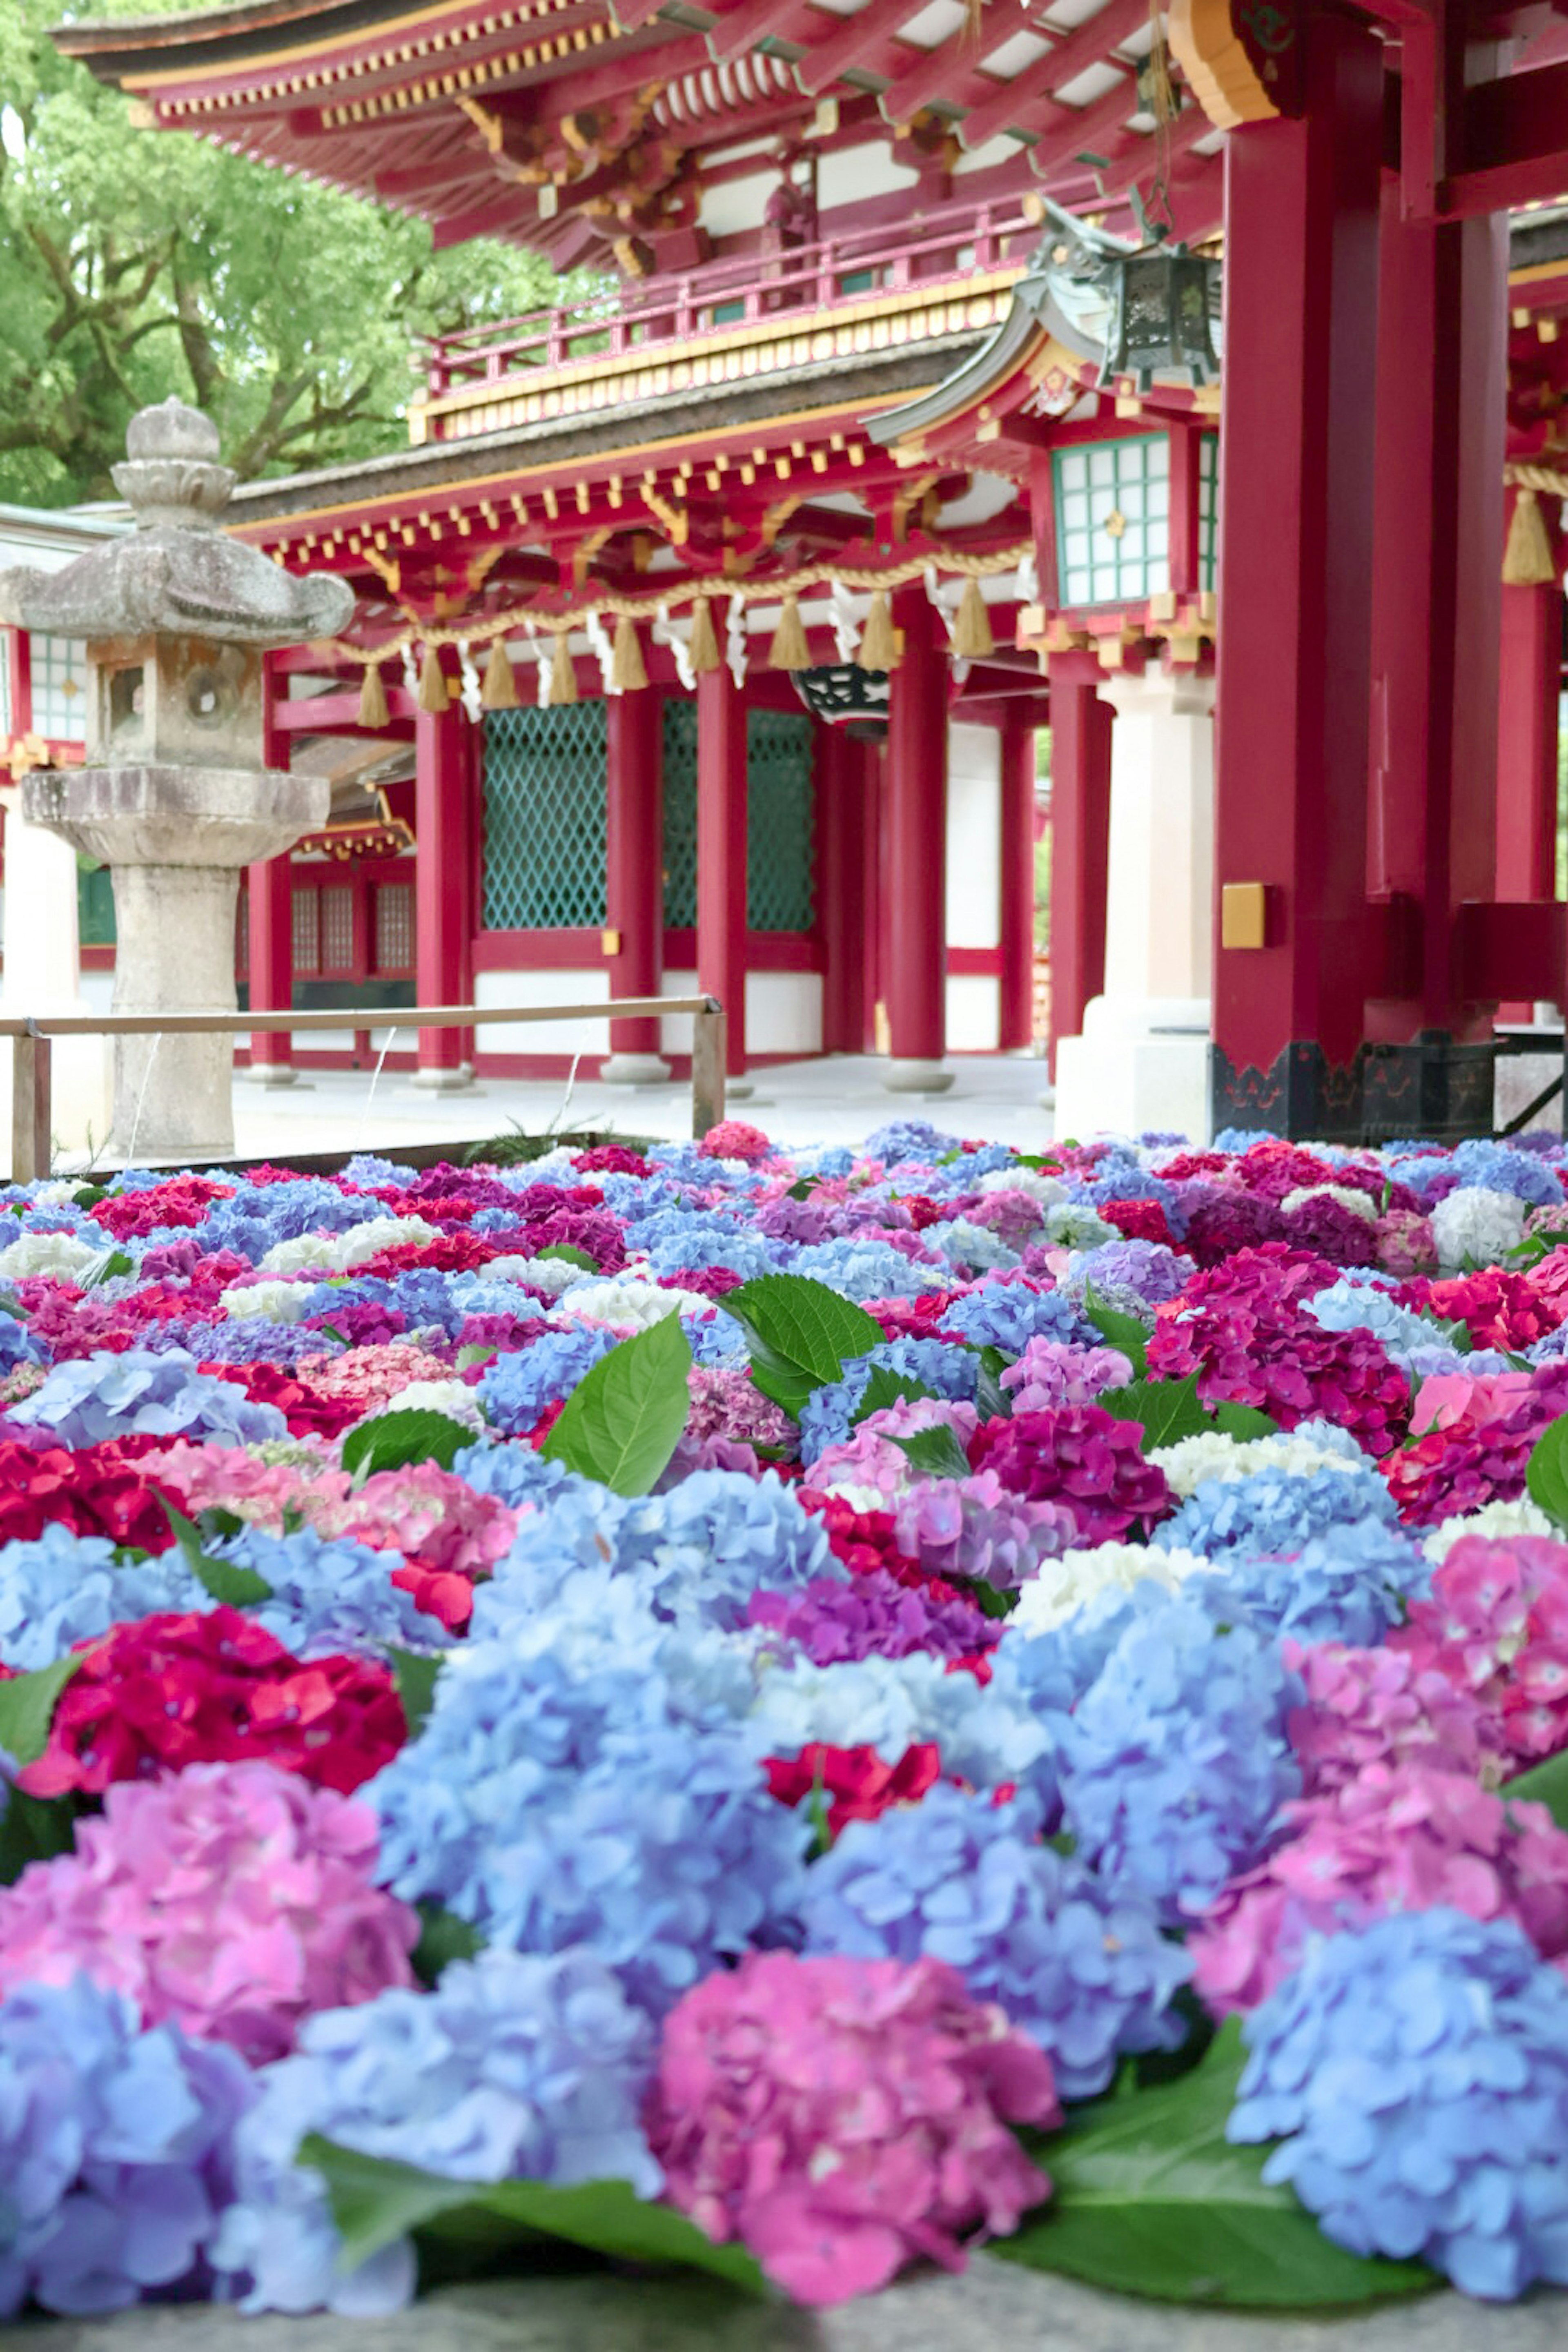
1436, 1087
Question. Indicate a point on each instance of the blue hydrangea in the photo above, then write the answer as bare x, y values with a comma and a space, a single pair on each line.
516, 1474
1414, 2074
1175, 1761
114, 2149
1240, 1139
1347, 1306
514, 1391
686, 1249
1082, 1967
716, 1341
828, 1412
1008, 1314
513, 2068
1349, 1586
255, 1340
368, 1168
1494, 1167
1274, 1511
330, 1595
904, 1139
862, 1269
970, 1249
59, 1588
18, 1345
116, 1395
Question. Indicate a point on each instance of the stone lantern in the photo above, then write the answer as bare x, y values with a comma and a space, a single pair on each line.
175, 796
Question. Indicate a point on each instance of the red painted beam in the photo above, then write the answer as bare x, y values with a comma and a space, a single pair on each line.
1515, 144
854, 42
1020, 105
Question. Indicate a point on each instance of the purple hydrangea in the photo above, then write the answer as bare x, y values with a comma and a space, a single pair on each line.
977, 1529
1415, 2074
872, 1616
1082, 1965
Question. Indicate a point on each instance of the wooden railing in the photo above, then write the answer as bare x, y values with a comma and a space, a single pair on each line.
955, 242
32, 1059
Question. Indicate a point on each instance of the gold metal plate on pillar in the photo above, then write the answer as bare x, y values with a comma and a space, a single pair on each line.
1243, 915
610, 942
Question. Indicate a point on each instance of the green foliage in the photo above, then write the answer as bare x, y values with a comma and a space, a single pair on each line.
28, 1704
935, 1452
443, 1938
35, 1829
570, 1254
798, 1332
1168, 1409
390, 1440
622, 1420
414, 1673
887, 1388
1151, 2198
1546, 1474
1545, 1784
141, 263
230, 1585
374, 2202
1123, 1332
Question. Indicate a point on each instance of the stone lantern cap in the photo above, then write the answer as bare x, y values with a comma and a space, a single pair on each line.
177, 572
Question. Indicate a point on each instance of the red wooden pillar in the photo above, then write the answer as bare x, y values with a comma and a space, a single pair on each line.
271, 922
1080, 841
1528, 687
443, 812
722, 852
635, 877
916, 980
841, 775
1017, 1029
1295, 573
1437, 626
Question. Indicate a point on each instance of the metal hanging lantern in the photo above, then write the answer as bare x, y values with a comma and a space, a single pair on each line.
1164, 302
843, 695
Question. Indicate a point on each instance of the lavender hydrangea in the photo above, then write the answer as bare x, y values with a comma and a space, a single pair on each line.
114, 2149
872, 1616
861, 1268
513, 2067
828, 1413
1414, 2072
977, 1529
60, 1587
134, 1392
1082, 1967
1275, 1511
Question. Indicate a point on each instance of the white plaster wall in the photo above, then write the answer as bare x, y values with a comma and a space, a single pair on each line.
542, 988
675, 1035
974, 838
973, 1012
784, 1012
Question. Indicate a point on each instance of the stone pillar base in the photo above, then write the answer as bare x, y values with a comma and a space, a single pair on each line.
267, 1074
1140, 1066
917, 1078
444, 1082
634, 1070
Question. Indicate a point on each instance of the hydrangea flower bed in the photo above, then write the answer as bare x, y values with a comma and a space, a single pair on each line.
789, 1712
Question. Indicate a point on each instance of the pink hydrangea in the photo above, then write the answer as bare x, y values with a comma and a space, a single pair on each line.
1497, 1628
1405, 1838
724, 1404
235, 1899
1052, 1372
1404, 1243
1477, 1435
733, 1138
429, 1514
1082, 1458
1380, 1707
843, 2117
868, 1457
371, 1377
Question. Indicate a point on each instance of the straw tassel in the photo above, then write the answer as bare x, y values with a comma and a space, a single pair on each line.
562, 673
374, 713
704, 646
972, 637
627, 669
432, 695
1527, 560
879, 638
789, 649
498, 689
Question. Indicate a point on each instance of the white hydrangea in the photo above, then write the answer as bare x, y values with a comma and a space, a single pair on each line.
1073, 1224
53, 1190
551, 1274
1046, 1189
1477, 1224
1313, 1445
1069, 1584
453, 1398
63, 1255
640, 1304
1493, 1520
336, 1253
1360, 1204
271, 1302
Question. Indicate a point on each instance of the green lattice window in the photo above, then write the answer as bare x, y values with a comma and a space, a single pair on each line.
1208, 507
59, 688
780, 859
680, 811
95, 905
1113, 505
545, 818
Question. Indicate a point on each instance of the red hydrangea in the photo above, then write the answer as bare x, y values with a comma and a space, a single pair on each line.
1497, 1628
912, 1319
458, 1253
1079, 1456
610, 1159
866, 1542
215, 1688
856, 1782
96, 1491
1499, 1309
1137, 1220
308, 1412
1478, 1454
705, 1281
185, 1201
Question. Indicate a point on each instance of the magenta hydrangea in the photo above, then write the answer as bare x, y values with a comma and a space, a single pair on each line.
1396, 1838
1497, 1628
234, 1900
1380, 1707
1080, 1456
842, 2118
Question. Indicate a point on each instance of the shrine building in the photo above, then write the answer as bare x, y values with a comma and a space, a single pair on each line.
1191, 387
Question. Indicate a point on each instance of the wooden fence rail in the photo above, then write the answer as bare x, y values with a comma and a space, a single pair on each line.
31, 1039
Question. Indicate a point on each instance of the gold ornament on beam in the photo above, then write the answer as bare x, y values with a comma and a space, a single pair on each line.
879, 638
972, 637
1527, 560
789, 649
498, 689
628, 673
432, 695
703, 649
373, 714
